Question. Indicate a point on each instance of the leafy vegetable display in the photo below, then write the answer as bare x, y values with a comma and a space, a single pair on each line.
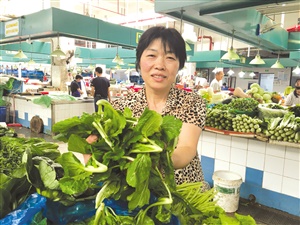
14, 186
286, 128
243, 104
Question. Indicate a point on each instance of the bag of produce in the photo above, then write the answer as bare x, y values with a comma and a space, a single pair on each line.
271, 110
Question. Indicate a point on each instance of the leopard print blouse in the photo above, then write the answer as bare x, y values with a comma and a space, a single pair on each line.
186, 106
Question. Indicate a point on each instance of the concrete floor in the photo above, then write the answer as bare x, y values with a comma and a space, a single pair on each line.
262, 214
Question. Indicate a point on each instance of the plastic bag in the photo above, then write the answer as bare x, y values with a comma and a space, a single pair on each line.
60, 214
46, 99
26, 211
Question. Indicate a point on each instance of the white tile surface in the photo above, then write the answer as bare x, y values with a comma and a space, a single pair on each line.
291, 187
275, 150
255, 160
256, 146
274, 164
241, 170
223, 139
272, 182
208, 149
221, 165
223, 152
241, 143
238, 156
209, 136
291, 169
292, 153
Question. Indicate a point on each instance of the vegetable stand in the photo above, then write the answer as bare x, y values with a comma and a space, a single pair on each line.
25, 110
267, 157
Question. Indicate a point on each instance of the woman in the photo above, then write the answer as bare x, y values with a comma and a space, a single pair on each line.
160, 54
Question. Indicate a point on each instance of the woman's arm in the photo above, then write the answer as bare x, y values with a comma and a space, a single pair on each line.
186, 148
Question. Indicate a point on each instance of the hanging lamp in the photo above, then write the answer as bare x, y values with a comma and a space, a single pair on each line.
296, 70
277, 64
230, 72
241, 73
20, 54
117, 58
58, 52
257, 60
252, 74
231, 54
31, 61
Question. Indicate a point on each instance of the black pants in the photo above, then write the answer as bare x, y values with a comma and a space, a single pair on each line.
96, 99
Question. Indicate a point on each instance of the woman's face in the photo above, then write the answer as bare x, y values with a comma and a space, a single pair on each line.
158, 68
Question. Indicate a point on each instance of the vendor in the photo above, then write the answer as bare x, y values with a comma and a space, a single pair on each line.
294, 97
216, 83
76, 86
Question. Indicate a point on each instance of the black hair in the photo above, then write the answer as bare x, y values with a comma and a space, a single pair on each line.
78, 77
169, 36
98, 69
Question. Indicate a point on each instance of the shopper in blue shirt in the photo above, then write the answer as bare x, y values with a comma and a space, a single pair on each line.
76, 86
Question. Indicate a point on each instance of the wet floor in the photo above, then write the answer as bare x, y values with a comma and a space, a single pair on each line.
262, 214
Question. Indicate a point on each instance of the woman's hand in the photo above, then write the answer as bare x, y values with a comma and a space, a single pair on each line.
90, 139
186, 148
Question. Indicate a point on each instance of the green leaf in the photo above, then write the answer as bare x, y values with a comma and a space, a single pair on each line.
139, 170
71, 164
48, 175
74, 185
149, 123
38, 219
78, 144
140, 197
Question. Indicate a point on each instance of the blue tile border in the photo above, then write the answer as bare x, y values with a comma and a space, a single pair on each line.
208, 165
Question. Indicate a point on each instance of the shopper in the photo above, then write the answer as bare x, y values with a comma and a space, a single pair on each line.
216, 83
76, 86
160, 54
294, 97
100, 87
224, 87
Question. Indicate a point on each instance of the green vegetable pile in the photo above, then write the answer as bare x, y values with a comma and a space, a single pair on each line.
285, 128
14, 186
220, 119
8, 132
246, 124
243, 104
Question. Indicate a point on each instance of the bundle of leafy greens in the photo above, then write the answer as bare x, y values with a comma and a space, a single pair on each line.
130, 164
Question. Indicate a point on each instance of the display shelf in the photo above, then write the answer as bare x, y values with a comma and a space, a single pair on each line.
258, 136
285, 143
232, 133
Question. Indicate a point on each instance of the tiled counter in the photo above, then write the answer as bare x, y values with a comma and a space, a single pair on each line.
25, 109
270, 172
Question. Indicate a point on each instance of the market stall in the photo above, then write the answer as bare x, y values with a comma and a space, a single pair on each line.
260, 141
